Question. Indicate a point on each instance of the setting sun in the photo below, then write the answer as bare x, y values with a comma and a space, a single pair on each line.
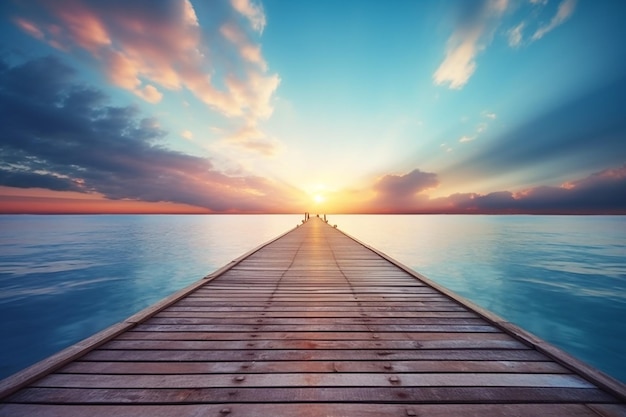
318, 198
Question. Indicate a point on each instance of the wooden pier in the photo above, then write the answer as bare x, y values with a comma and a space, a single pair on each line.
313, 323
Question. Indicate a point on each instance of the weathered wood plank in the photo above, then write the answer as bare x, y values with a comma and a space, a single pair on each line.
312, 354
493, 395
224, 367
311, 344
301, 410
340, 336
351, 313
316, 308
337, 322
267, 326
314, 380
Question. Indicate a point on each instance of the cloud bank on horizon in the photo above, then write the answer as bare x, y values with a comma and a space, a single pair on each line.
491, 106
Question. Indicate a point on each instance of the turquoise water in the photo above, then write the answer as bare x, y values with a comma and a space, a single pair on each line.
63, 278
563, 278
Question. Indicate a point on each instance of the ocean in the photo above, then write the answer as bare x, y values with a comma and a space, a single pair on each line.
64, 278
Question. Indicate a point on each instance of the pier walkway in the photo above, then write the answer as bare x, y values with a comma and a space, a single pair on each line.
313, 323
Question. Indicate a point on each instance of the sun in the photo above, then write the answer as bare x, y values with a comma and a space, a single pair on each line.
318, 198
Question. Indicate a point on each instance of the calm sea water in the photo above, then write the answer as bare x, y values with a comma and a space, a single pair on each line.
63, 278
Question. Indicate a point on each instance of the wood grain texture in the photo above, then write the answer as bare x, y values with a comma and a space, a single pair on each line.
315, 323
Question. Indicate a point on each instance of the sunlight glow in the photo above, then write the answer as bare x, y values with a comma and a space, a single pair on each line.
318, 198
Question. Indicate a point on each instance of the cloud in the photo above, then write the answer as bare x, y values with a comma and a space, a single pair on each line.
30, 28
247, 49
252, 139
490, 115
603, 192
515, 35
147, 47
474, 31
401, 192
253, 12
564, 12
187, 134
465, 139
61, 135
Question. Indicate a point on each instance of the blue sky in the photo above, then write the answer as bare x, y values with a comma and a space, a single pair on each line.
495, 106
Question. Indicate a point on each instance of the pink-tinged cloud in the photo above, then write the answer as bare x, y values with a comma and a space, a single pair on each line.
83, 25
250, 138
248, 50
252, 11
401, 192
603, 192
146, 47
30, 28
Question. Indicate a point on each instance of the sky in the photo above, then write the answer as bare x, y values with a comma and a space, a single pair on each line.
273, 106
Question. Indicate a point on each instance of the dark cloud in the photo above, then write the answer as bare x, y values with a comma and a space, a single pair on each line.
401, 192
603, 192
60, 135
403, 185
600, 193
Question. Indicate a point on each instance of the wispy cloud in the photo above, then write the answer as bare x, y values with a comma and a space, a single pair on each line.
474, 31
445, 147
187, 134
147, 47
251, 138
515, 35
564, 12
252, 11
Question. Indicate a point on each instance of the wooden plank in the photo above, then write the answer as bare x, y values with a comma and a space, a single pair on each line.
224, 367
336, 322
217, 306
316, 328
312, 354
307, 380
341, 336
352, 313
370, 309
311, 344
300, 410
608, 410
237, 395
